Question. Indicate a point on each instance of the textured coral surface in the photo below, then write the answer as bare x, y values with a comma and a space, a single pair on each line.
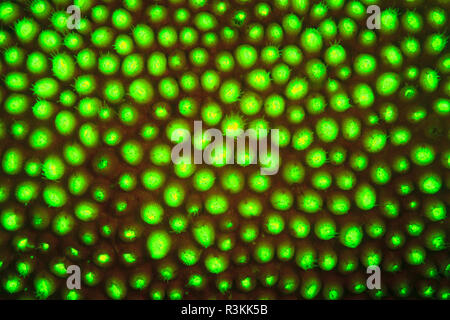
90, 110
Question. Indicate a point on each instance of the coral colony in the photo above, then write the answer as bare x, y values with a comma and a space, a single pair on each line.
95, 95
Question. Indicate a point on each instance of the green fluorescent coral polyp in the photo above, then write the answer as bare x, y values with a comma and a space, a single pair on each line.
89, 118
